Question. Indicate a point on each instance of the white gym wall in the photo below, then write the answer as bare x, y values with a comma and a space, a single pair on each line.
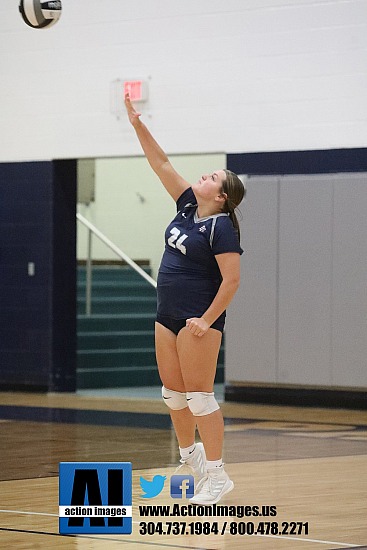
233, 76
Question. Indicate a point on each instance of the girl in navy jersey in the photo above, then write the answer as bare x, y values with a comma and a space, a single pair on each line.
197, 279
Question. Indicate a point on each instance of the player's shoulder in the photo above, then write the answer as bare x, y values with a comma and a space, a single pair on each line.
223, 222
186, 199
224, 236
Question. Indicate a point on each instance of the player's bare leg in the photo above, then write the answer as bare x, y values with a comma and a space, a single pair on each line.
184, 422
198, 358
170, 373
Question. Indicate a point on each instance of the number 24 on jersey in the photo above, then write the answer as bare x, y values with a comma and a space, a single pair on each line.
176, 241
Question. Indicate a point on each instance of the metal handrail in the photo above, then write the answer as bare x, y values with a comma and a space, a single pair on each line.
92, 229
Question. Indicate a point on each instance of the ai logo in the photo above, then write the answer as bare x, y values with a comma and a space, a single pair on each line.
180, 484
95, 497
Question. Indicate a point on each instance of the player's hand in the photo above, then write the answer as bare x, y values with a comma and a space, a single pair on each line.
131, 112
197, 326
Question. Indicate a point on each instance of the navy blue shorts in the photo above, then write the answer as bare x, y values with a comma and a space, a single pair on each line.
175, 325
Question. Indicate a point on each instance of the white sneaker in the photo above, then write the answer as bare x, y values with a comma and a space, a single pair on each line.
212, 487
196, 461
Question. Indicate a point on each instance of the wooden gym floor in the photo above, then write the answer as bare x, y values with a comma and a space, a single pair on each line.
311, 464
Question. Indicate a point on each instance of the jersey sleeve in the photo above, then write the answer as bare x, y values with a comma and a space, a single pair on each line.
225, 237
187, 197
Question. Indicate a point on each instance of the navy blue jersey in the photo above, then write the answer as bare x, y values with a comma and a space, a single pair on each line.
189, 276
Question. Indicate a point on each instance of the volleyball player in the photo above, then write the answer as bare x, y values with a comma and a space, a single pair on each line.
197, 279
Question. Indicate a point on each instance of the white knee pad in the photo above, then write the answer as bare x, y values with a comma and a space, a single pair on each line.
175, 400
201, 403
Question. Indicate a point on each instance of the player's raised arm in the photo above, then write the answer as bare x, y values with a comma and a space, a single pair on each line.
155, 155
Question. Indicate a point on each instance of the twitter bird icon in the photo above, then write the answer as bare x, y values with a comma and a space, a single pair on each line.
152, 488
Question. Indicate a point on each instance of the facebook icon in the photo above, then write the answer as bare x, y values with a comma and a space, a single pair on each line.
181, 484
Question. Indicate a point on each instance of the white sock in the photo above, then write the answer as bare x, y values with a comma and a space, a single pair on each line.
214, 464
186, 452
